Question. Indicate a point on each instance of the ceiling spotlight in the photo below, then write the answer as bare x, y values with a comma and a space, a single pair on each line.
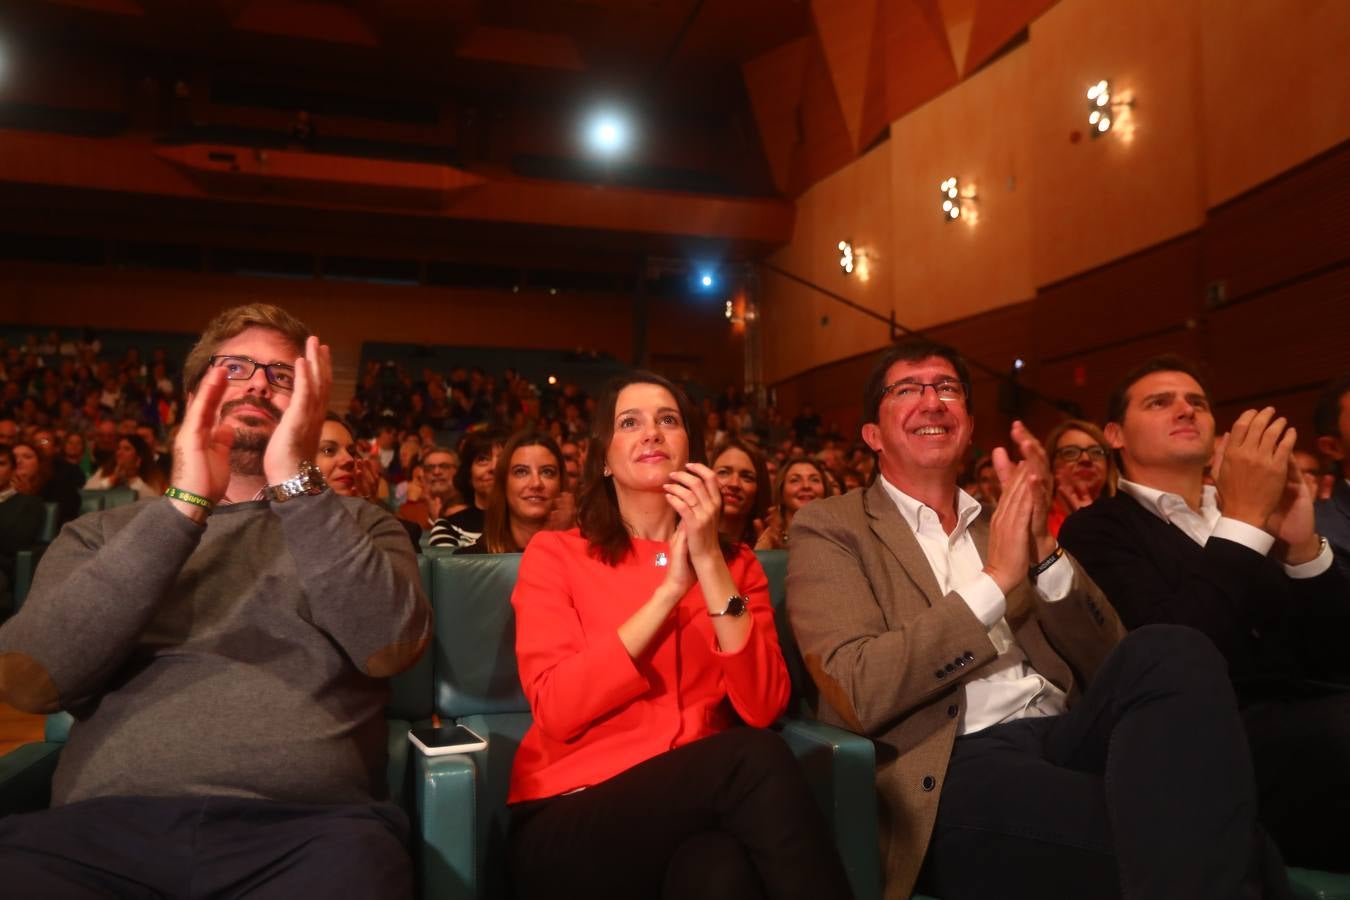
706, 281
1019, 364
553, 379
608, 134
731, 310
1101, 106
846, 257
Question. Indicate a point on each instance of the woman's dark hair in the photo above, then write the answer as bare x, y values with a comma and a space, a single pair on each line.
763, 488
7, 453
473, 446
497, 519
146, 471
598, 506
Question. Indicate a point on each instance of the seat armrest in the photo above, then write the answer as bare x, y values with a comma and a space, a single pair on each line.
445, 823
841, 769
26, 777
25, 564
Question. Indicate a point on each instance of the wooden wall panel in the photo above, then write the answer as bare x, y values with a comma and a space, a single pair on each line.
1298, 224
1275, 87
1298, 335
1155, 290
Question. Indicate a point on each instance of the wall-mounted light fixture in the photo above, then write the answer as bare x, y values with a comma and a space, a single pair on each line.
1103, 108
846, 257
955, 202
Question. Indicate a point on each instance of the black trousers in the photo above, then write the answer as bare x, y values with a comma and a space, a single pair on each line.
1301, 749
213, 847
729, 816
1143, 789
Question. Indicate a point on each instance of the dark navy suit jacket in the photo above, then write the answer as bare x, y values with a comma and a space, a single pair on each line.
1333, 523
1273, 629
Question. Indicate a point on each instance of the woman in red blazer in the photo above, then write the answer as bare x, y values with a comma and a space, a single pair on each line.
645, 647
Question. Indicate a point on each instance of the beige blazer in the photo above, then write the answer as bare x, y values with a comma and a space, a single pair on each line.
891, 654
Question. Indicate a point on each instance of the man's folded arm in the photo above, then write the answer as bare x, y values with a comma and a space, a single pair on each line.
360, 579
92, 597
871, 671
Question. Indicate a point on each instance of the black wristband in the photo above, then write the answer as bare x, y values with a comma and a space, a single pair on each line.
1046, 563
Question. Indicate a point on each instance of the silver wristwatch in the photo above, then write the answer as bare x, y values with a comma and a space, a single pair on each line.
309, 480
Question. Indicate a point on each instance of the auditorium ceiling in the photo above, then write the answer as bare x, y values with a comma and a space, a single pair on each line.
434, 124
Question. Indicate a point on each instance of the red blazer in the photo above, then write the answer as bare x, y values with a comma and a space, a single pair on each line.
598, 712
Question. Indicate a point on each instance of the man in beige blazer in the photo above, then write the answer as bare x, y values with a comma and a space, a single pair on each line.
1025, 747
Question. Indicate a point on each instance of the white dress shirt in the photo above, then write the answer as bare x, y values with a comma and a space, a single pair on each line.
1010, 688
1209, 522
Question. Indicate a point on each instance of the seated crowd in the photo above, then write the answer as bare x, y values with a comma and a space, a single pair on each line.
1105, 664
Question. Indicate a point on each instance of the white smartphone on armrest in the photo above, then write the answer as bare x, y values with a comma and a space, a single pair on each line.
446, 740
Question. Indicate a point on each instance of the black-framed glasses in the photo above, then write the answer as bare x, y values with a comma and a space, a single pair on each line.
947, 390
1072, 453
241, 368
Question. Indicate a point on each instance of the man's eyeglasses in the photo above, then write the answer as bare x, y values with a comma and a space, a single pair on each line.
912, 391
241, 368
1071, 453
438, 467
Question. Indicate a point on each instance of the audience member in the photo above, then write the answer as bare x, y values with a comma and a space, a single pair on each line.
285, 606
987, 481
350, 475
21, 519
133, 467
642, 645
529, 495
1082, 467
801, 481
9, 430
743, 479
63, 471
473, 482
1331, 420
33, 476
1242, 562
437, 494
1022, 746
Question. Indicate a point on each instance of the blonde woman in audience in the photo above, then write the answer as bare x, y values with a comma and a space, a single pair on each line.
802, 480
1083, 467
744, 479
529, 495
646, 647
133, 467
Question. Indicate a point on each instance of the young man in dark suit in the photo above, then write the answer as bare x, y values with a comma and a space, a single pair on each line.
1241, 561
1024, 749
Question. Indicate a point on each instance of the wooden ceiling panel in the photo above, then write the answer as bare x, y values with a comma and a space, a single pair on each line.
774, 82
996, 23
327, 23
824, 142
846, 35
918, 62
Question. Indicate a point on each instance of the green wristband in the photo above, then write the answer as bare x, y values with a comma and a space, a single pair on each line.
174, 493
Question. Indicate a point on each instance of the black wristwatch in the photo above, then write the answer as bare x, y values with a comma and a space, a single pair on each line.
309, 480
736, 606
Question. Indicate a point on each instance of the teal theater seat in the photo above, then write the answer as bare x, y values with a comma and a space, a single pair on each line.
477, 684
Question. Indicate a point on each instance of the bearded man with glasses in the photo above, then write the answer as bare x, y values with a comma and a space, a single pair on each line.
224, 651
1026, 748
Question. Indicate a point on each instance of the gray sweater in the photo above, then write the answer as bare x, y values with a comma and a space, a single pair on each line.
231, 660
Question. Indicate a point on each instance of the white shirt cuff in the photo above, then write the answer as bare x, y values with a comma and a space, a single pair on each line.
1313, 567
985, 599
1248, 536
1053, 584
